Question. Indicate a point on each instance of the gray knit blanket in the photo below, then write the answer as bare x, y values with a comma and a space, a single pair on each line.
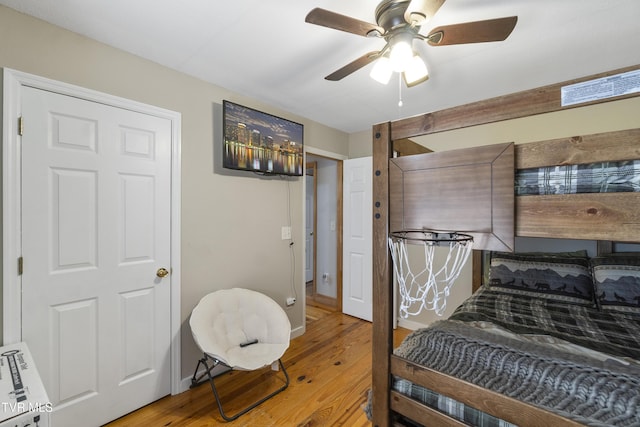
589, 391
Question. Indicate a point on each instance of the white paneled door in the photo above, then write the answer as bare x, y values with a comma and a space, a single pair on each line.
357, 285
95, 239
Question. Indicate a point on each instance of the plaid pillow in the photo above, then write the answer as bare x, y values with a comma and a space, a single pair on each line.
562, 276
617, 282
600, 177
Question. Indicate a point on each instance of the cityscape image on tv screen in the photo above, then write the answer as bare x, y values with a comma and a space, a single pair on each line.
260, 142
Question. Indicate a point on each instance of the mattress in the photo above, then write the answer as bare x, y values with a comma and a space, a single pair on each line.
569, 358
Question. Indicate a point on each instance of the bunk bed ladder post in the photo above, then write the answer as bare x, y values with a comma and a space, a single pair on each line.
382, 279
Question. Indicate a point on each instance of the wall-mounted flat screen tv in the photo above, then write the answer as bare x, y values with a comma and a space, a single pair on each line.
261, 142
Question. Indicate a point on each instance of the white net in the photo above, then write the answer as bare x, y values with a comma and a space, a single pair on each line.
423, 286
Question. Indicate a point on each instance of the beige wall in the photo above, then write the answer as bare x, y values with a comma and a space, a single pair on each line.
230, 223
610, 116
360, 144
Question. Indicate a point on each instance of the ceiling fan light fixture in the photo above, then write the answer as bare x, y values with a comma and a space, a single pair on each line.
401, 53
416, 18
382, 70
416, 73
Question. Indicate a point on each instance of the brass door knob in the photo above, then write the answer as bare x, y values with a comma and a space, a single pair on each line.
162, 272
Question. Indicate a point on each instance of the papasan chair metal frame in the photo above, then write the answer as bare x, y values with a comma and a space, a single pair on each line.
239, 329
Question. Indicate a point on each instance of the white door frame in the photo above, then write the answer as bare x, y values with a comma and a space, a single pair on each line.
11, 215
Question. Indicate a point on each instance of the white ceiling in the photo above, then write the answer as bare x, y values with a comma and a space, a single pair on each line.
264, 49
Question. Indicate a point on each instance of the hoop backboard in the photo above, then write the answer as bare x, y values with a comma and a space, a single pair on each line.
469, 190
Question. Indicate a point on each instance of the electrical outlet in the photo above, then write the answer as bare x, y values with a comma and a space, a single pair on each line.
290, 301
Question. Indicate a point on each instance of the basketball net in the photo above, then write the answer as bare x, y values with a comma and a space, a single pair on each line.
427, 288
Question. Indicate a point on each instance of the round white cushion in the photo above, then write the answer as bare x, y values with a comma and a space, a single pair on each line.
224, 319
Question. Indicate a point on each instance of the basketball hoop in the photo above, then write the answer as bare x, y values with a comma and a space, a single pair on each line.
427, 289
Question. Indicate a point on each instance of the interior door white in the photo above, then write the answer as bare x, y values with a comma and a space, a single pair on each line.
96, 230
358, 235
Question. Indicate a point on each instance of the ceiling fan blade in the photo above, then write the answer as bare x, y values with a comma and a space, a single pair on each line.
365, 59
491, 30
336, 21
420, 11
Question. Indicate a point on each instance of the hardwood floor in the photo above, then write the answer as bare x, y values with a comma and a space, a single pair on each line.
330, 372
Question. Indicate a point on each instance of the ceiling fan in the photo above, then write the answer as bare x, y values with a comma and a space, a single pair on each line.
398, 23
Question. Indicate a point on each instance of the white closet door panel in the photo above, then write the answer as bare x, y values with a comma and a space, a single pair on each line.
137, 142
74, 216
137, 317
73, 133
357, 291
138, 218
75, 336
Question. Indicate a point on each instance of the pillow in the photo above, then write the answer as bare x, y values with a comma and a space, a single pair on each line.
559, 276
617, 282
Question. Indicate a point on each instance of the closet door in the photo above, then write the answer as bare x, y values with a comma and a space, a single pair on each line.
96, 220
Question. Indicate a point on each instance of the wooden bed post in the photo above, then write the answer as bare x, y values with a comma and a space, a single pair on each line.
382, 283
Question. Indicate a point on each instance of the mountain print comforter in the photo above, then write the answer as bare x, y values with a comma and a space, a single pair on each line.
592, 391
544, 345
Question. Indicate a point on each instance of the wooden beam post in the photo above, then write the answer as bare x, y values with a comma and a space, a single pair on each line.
382, 283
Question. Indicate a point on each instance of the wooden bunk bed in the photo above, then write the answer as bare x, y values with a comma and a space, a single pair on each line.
603, 217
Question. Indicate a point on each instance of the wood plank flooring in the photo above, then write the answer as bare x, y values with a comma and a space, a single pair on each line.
330, 372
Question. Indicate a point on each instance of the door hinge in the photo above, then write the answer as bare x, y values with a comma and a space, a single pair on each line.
20, 266
20, 125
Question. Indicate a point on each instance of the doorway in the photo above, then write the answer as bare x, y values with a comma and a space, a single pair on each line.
323, 240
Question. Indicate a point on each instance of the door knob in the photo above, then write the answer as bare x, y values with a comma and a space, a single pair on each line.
162, 272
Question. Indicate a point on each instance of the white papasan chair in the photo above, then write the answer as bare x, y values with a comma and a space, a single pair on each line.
239, 329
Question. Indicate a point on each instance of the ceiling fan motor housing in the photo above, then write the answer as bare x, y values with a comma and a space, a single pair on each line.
390, 15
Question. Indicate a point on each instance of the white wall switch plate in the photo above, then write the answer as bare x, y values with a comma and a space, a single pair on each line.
286, 233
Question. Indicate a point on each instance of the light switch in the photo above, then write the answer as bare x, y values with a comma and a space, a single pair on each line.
286, 233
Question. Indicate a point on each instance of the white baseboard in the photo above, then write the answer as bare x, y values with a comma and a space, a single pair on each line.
295, 333
185, 384
410, 324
